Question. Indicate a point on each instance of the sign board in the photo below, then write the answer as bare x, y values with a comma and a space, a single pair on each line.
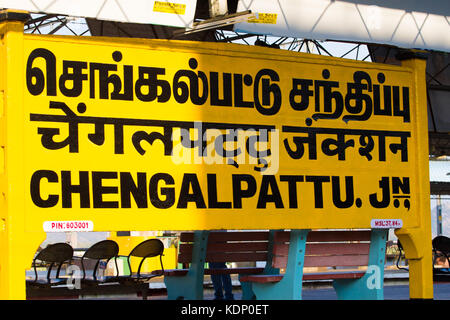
108, 134
402, 23
156, 135
176, 13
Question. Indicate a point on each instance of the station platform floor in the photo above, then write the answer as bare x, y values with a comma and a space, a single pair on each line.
396, 287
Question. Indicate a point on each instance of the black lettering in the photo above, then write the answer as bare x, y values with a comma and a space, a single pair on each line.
304, 92
190, 180
104, 79
328, 97
238, 192
76, 78
239, 91
148, 77
385, 192
67, 189
318, 190
226, 89
349, 192
402, 112
292, 186
212, 194
193, 89
361, 102
128, 187
169, 193
35, 184
400, 185
387, 99
98, 189
127, 93
268, 90
36, 80
269, 182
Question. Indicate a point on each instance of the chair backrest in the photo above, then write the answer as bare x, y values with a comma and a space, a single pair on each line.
442, 244
147, 249
231, 246
56, 253
103, 250
326, 249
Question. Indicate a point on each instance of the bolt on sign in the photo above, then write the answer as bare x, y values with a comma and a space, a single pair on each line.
123, 134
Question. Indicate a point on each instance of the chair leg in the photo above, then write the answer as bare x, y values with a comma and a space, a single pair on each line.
144, 293
370, 286
290, 286
247, 290
188, 287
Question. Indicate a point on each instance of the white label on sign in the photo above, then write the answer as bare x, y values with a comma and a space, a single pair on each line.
386, 223
68, 226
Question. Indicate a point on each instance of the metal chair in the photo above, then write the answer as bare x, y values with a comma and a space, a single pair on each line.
441, 247
101, 251
146, 249
56, 253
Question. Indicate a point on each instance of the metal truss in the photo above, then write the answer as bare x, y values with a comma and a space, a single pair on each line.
339, 49
65, 25
56, 24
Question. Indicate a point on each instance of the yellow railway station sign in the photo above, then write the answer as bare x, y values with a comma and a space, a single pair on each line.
107, 134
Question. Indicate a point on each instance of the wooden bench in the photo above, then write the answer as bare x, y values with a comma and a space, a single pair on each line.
337, 250
197, 248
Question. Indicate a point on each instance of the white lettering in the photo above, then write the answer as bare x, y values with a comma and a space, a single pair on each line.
374, 280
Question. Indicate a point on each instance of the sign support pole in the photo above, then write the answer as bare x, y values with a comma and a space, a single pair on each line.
417, 241
17, 246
